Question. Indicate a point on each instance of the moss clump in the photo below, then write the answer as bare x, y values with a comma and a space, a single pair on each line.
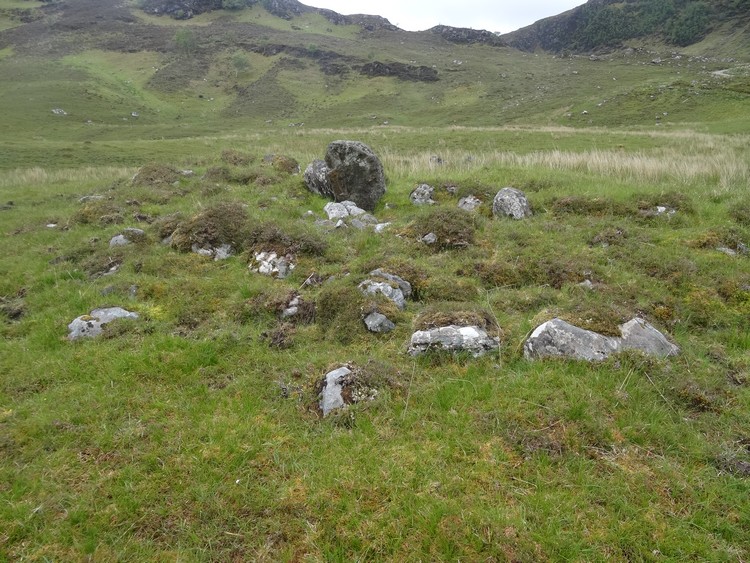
554, 272
589, 206
448, 288
282, 163
236, 158
673, 200
454, 228
98, 212
340, 307
223, 223
298, 240
740, 212
155, 174
459, 314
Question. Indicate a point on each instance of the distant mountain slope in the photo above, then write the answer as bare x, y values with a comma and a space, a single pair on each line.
118, 69
602, 24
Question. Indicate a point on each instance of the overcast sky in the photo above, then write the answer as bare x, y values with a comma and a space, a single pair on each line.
418, 15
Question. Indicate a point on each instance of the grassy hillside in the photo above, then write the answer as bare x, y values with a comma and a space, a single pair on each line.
607, 24
193, 433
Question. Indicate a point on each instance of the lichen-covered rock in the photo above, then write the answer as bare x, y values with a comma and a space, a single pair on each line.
557, 338
402, 284
316, 178
422, 195
452, 338
377, 322
127, 236
343, 210
510, 202
271, 264
639, 335
341, 387
221, 252
469, 203
372, 287
89, 326
355, 173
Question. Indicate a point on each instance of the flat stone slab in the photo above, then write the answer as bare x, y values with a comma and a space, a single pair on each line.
453, 338
89, 326
558, 338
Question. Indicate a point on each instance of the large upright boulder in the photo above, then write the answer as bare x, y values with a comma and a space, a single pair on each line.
355, 173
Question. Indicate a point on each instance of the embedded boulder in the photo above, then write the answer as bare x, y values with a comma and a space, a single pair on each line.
273, 265
558, 338
127, 236
89, 326
510, 202
391, 286
341, 387
469, 203
221, 252
639, 335
422, 195
379, 323
452, 338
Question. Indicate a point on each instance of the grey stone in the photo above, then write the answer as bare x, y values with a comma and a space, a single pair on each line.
119, 240
341, 387
727, 251
371, 287
355, 173
377, 322
422, 195
128, 236
316, 178
353, 209
331, 397
343, 210
453, 338
469, 203
271, 264
510, 202
94, 197
557, 338
639, 335
89, 326
402, 284
380, 227
429, 238
221, 252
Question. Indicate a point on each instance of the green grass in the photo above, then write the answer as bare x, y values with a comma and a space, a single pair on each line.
172, 438
189, 435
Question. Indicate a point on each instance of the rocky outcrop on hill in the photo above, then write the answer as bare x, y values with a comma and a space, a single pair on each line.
467, 36
400, 70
